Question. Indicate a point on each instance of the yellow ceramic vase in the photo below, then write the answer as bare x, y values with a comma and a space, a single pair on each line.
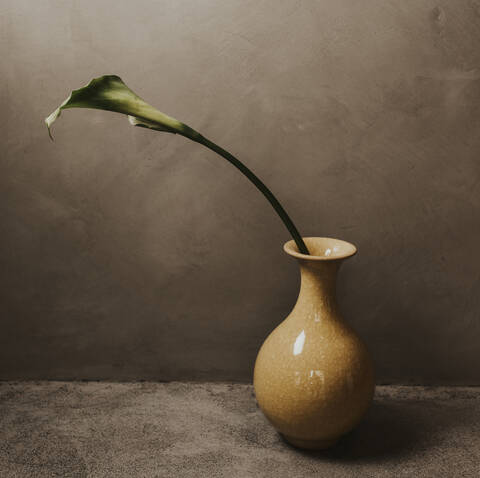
313, 376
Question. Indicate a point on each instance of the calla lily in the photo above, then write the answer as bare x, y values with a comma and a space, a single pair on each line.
110, 93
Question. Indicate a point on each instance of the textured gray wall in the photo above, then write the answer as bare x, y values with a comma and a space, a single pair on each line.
130, 254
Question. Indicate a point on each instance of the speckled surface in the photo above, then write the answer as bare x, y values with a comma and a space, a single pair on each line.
93, 429
314, 377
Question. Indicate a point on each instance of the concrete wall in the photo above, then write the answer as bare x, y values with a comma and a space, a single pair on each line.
131, 254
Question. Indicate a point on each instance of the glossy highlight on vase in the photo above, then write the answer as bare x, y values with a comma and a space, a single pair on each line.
313, 375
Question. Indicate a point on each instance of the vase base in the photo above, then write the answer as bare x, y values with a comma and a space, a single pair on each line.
310, 444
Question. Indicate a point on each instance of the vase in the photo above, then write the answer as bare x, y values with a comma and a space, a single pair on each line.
313, 375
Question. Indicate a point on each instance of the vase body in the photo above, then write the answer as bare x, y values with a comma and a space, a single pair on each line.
313, 375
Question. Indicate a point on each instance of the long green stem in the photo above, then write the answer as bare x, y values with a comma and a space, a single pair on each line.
110, 93
195, 136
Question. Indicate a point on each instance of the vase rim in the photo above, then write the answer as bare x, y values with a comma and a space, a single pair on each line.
321, 249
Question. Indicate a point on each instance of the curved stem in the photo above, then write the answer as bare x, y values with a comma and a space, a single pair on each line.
195, 136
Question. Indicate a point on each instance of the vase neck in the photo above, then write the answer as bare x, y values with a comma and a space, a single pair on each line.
318, 270
318, 286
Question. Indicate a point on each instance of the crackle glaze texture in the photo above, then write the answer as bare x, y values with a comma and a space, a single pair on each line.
313, 375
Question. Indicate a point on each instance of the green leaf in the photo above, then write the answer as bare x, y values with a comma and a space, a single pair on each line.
110, 93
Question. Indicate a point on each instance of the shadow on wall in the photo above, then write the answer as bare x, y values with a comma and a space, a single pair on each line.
412, 292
